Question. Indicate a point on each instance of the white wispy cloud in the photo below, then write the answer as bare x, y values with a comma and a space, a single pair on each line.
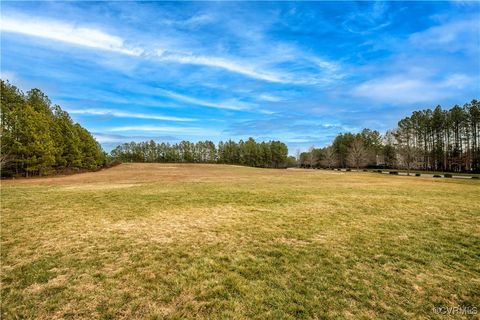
66, 32
450, 36
126, 114
165, 129
269, 98
117, 138
373, 20
411, 88
228, 64
326, 71
266, 111
229, 104
191, 22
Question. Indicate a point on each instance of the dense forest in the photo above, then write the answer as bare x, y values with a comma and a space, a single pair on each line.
271, 154
38, 138
437, 140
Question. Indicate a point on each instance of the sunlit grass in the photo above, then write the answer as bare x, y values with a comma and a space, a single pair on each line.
205, 241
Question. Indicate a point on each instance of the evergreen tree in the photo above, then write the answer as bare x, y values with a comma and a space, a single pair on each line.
38, 138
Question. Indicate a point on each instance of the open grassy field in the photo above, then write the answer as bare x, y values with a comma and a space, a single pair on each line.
155, 241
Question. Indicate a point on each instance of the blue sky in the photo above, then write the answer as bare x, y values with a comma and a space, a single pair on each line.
299, 72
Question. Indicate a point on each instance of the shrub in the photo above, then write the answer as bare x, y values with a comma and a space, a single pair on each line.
379, 171
348, 169
475, 177
437, 176
365, 170
417, 174
393, 172
447, 175
113, 163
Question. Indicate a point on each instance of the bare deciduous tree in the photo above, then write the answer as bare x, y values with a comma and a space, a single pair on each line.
357, 154
329, 158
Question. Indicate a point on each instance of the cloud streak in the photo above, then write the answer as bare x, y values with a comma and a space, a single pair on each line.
229, 105
451, 36
366, 22
117, 138
190, 131
243, 68
68, 33
126, 114
269, 98
410, 88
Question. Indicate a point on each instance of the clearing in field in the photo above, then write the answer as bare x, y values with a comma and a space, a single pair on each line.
212, 241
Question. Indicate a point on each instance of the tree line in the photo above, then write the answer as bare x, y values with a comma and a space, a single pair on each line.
271, 154
431, 139
38, 138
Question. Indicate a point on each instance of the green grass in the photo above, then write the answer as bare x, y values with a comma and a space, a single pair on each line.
219, 242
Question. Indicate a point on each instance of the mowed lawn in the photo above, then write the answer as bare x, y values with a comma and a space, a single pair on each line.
155, 241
